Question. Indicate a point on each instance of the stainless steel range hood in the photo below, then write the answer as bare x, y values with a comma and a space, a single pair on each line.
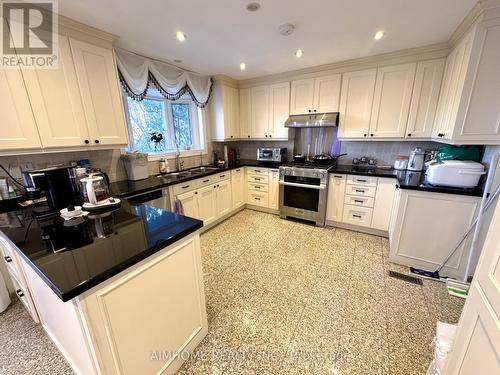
316, 120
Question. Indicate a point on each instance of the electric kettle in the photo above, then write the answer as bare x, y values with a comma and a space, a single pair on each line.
416, 160
95, 192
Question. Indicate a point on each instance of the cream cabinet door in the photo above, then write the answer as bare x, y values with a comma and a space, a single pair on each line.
335, 201
327, 93
279, 110
302, 96
356, 101
18, 128
189, 203
97, 77
477, 343
244, 113
230, 102
259, 112
224, 199
207, 210
384, 199
238, 184
391, 103
56, 101
424, 99
274, 191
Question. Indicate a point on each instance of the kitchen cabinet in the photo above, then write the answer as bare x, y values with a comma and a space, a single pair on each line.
245, 114
189, 203
56, 101
356, 100
424, 100
224, 199
207, 202
383, 204
259, 112
391, 103
318, 95
279, 110
224, 112
336, 193
18, 130
274, 192
468, 111
238, 186
416, 239
97, 78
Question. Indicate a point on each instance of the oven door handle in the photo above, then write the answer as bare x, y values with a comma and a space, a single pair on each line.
306, 186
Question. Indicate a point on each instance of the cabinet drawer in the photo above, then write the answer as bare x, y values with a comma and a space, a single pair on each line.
357, 215
258, 199
24, 296
337, 177
362, 180
258, 187
204, 181
187, 186
237, 172
223, 176
366, 191
258, 179
356, 200
257, 170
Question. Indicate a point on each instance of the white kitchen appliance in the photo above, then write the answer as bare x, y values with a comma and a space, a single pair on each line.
455, 173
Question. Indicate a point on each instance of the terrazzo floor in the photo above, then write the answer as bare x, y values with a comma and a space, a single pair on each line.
285, 298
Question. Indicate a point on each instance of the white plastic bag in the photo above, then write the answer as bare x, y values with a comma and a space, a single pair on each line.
443, 343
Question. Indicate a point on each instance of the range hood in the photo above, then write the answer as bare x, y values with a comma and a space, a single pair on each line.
316, 120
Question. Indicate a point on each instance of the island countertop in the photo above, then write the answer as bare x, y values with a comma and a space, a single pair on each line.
74, 256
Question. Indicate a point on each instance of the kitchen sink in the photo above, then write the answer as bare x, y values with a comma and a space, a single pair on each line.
186, 173
202, 169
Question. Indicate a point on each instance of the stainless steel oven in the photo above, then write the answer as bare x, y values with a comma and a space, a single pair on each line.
303, 193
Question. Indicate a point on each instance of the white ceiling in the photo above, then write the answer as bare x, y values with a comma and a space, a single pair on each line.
222, 33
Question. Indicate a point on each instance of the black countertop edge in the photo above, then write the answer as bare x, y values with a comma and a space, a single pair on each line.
128, 188
98, 279
407, 180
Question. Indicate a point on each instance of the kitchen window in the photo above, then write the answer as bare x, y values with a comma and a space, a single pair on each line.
157, 126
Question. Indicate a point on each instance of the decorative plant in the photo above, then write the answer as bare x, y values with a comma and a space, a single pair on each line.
156, 138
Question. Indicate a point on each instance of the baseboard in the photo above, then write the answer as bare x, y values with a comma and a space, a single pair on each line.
262, 209
375, 232
221, 219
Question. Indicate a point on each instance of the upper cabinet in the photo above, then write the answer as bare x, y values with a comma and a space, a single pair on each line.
259, 112
99, 87
356, 102
315, 95
391, 102
245, 113
425, 98
224, 112
468, 110
78, 104
279, 110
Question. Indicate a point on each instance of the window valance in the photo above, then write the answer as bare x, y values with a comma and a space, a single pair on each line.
137, 73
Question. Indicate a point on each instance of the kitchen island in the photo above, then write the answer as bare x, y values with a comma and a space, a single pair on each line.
113, 290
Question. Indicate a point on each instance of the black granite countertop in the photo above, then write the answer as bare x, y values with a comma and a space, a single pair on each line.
84, 252
405, 179
127, 188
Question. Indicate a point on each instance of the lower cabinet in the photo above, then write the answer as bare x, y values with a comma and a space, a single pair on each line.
274, 191
207, 203
263, 187
238, 187
359, 201
416, 240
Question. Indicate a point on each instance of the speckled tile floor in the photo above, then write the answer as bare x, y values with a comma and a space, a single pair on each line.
285, 298
289, 298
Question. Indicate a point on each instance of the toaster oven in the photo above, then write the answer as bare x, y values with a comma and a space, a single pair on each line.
272, 154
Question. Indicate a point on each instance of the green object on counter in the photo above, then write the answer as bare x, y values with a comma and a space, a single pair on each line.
450, 152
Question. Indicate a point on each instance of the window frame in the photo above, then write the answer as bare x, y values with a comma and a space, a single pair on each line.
197, 114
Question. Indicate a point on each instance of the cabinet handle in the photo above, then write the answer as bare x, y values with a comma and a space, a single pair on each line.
8, 259
360, 180
409, 134
185, 186
256, 178
222, 176
266, 135
248, 136
337, 176
20, 293
365, 135
257, 187
217, 185
358, 216
257, 199
359, 191
237, 170
371, 135
87, 141
358, 201
440, 135
205, 181
256, 170
314, 110
270, 135
196, 192
96, 141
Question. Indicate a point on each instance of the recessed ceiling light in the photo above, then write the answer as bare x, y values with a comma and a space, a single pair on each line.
378, 35
299, 53
286, 29
243, 66
253, 7
181, 37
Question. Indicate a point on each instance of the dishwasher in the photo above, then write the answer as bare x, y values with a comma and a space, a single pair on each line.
159, 198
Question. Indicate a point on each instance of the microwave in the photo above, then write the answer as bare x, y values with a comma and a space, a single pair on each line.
271, 154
